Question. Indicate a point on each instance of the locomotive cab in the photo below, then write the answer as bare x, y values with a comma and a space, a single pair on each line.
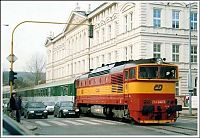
151, 94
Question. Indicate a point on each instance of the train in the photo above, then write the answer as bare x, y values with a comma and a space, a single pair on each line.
140, 90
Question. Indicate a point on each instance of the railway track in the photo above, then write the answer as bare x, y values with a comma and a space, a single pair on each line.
171, 129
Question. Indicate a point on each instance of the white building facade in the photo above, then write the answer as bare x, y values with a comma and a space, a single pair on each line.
125, 31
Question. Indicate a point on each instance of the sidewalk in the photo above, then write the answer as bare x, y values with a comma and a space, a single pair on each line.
185, 113
28, 125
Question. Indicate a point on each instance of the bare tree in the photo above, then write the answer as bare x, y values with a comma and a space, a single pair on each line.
36, 66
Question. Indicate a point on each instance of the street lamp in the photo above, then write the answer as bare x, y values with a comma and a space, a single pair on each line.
190, 74
12, 37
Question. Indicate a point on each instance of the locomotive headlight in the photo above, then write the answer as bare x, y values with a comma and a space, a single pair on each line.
65, 110
77, 110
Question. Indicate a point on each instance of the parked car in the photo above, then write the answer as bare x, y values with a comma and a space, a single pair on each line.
23, 107
50, 107
11, 127
65, 108
35, 109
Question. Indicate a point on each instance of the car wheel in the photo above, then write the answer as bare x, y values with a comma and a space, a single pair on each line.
46, 116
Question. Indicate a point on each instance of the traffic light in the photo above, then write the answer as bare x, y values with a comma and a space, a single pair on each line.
12, 77
90, 31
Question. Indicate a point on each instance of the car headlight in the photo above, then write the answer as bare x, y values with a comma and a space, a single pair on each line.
65, 110
31, 111
77, 110
45, 111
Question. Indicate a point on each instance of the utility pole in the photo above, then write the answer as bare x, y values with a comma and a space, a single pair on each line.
190, 90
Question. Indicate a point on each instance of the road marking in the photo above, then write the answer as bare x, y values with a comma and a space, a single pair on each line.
101, 121
88, 122
42, 123
72, 122
58, 123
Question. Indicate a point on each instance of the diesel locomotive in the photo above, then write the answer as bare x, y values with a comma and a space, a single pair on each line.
141, 90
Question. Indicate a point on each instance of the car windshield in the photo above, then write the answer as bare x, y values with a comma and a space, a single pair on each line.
36, 105
67, 104
158, 72
49, 103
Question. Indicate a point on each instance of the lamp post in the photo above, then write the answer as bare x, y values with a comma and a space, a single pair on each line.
190, 73
12, 40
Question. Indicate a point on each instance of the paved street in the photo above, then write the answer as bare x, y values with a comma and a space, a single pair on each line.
98, 126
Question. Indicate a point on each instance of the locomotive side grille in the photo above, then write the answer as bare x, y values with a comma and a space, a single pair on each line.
117, 83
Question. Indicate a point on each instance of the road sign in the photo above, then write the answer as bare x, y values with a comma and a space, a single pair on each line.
10, 56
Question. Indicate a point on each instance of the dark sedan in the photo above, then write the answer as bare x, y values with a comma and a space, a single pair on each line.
35, 109
64, 109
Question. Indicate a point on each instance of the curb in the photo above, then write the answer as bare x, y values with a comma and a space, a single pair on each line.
188, 116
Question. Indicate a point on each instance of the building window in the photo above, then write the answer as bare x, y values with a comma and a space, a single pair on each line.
116, 56
125, 23
109, 32
193, 21
156, 50
97, 37
103, 60
194, 53
109, 57
175, 52
97, 61
131, 52
131, 21
92, 63
125, 53
177, 88
156, 17
195, 87
175, 19
116, 28
103, 35
83, 65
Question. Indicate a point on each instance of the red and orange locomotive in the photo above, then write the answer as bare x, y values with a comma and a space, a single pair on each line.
141, 90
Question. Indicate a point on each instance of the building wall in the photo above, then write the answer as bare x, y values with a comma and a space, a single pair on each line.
118, 36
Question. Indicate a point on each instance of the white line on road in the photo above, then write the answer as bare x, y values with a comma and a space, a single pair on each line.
58, 123
72, 122
88, 122
101, 121
42, 123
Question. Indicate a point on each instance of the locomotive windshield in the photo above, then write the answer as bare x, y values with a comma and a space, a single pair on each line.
158, 72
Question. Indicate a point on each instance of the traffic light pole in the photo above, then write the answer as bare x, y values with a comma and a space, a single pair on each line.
12, 40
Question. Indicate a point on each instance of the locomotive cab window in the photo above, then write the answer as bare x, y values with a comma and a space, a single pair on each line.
161, 72
148, 72
126, 74
132, 73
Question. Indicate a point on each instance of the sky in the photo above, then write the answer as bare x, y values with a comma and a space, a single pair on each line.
29, 38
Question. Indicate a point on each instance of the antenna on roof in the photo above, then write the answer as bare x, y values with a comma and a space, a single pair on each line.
77, 7
89, 8
51, 35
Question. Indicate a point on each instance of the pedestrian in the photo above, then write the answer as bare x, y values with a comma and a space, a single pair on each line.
18, 108
13, 105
